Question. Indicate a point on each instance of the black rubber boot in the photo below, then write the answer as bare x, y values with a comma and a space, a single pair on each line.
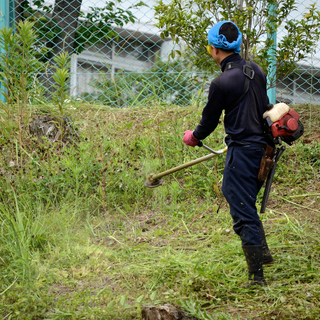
254, 257
267, 257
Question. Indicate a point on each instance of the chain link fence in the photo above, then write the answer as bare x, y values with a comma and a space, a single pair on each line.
119, 59
302, 85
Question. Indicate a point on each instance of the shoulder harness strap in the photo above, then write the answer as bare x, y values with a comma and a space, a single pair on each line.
250, 75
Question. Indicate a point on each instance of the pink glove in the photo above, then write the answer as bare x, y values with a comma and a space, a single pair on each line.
189, 139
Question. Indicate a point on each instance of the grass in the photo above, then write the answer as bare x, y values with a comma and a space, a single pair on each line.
83, 238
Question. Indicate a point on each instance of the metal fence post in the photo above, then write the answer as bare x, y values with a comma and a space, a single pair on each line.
6, 19
273, 59
4, 22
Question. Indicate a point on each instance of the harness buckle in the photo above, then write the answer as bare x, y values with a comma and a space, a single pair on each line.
229, 66
248, 71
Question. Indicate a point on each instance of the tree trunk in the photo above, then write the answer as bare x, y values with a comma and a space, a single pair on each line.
66, 15
19, 9
53, 129
165, 312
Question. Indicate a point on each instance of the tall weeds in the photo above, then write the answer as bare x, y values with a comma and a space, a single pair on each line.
18, 70
16, 239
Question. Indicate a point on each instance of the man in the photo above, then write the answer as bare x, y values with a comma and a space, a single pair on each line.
240, 90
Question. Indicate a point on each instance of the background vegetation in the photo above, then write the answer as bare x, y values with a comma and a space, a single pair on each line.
187, 23
166, 82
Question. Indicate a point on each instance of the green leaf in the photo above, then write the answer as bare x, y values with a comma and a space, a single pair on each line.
123, 300
110, 304
148, 121
153, 295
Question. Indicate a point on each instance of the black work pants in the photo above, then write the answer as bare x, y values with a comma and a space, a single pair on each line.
240, 188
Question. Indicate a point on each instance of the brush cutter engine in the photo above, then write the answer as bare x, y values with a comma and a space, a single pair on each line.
283, 123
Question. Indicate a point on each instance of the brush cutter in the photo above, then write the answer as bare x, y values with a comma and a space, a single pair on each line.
154, 179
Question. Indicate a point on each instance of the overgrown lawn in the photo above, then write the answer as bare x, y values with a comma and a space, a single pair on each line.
83, 238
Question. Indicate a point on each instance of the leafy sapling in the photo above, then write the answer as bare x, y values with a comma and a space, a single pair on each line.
61, 78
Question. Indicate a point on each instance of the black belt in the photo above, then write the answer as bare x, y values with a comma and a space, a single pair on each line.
244, 143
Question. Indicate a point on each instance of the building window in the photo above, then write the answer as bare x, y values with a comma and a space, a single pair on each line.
142, 51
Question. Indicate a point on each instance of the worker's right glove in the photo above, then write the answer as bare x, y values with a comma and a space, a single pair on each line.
189, 139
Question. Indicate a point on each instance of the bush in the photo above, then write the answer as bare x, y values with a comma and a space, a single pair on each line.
166, 82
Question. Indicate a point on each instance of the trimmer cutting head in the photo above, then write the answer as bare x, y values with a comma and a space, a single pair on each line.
153, 182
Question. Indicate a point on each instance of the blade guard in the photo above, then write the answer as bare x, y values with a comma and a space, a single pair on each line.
152, 182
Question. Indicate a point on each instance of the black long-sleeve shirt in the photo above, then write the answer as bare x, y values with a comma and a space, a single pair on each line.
244, 122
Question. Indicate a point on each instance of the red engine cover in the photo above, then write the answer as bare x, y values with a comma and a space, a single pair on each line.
286, 125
